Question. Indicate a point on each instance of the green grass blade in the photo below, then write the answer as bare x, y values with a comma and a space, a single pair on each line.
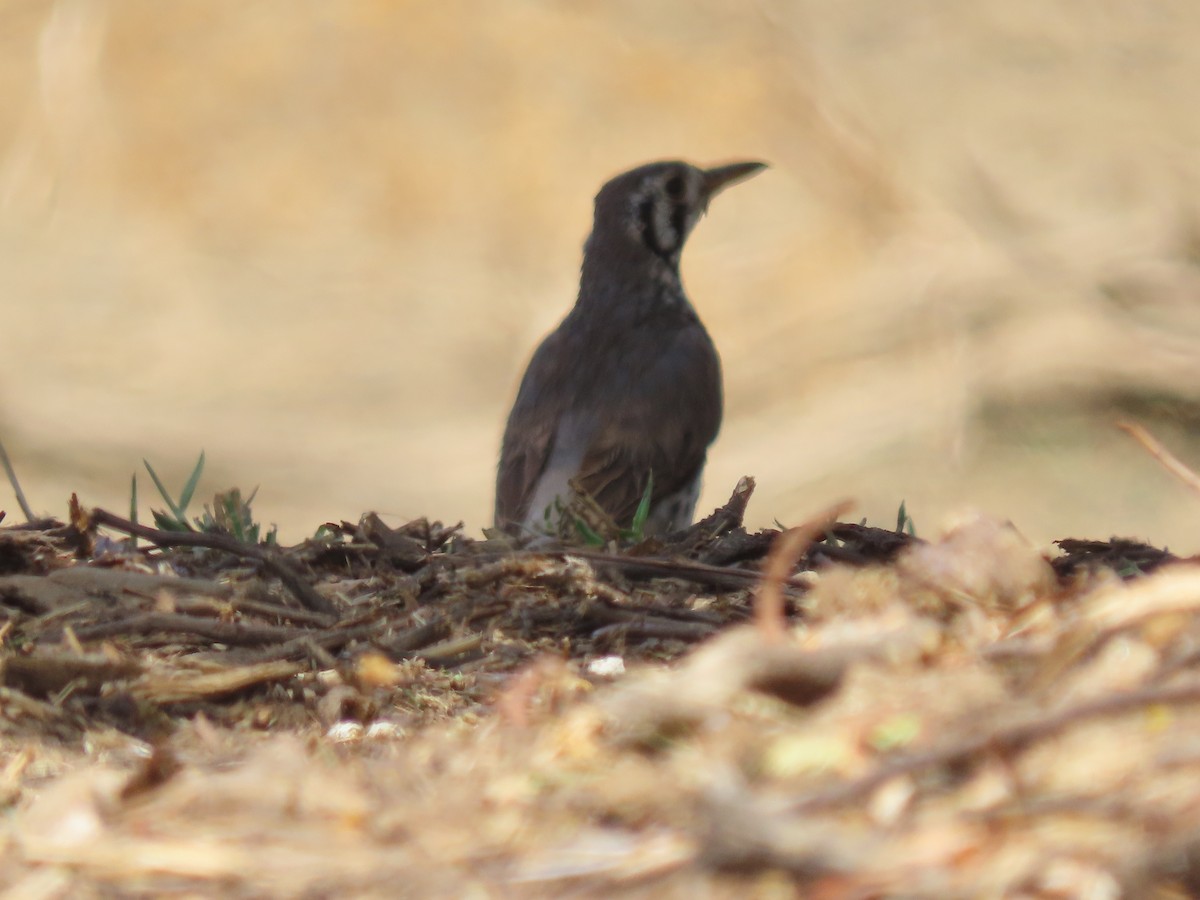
590, 537
162, 490
642, 513
189, 488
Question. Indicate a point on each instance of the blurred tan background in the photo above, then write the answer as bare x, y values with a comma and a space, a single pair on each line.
320, 240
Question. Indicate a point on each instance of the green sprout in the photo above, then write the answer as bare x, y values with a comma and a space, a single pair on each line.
904, 522
229, 514
177, 519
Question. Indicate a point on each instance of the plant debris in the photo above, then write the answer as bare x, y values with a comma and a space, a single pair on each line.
850, 709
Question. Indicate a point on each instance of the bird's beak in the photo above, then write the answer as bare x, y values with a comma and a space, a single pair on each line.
716, 180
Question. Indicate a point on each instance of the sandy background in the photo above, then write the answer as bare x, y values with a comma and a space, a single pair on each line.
320, 241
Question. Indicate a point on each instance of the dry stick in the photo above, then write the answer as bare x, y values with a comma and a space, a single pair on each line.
176, 623
253, 607
292, 580
1164, 456
690, 624
322, 657
1004, 738
732, 514
452, 647
785, 553
410, 641
183, 687
632, 610
16, 485
660, 629
401, 644
670, 568
331, 640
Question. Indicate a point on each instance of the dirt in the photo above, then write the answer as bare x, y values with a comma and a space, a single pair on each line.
836, 710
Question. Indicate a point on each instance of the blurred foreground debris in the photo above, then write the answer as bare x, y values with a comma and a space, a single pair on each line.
956, 717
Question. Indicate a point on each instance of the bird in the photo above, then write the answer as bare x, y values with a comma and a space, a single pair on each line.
625, 395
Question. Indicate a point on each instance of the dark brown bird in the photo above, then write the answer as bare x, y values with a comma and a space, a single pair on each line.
628, 387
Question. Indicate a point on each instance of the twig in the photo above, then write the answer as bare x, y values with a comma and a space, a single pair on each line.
408, 642
659, 629
177, 623
658, 567
299, 616
610, 613
400, 644
448, 649
47, 673
786, 551
292, 580
331, 640
727, 517
183, 686
320, 656
1004, 738
16, 485
1164, 456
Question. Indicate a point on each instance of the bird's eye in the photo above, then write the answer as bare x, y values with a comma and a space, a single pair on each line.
674, 186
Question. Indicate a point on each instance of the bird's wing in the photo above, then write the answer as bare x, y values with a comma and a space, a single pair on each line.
529, 434
664, 426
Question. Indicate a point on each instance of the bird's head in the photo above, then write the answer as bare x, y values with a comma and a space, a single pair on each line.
655, 206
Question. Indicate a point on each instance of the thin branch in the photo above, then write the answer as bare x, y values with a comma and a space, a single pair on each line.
183, 686
292, 580
447, 650
1165, 457
658, 629
1004, 738
785, 553
330, 640
671, 568
16, 485
153, 623
642, 623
